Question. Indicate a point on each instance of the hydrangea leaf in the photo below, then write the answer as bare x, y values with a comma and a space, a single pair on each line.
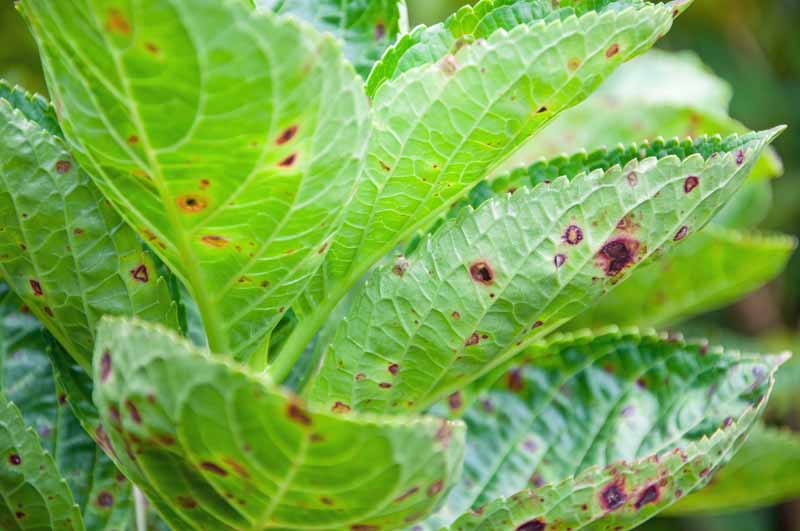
63, 249
366, 27
100, 491
440, 128
604, 431
520, 266
714, 268
243, 219
227, 450
33, 495
769, 460
659, 94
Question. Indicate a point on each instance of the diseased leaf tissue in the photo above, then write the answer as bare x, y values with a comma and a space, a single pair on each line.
201, 247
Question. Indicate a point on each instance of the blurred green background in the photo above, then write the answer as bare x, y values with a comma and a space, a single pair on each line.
755, 45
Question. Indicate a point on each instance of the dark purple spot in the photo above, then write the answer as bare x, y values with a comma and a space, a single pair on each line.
537, 480
15, 459
533, 525
559, 260
727, 422
287, 135
36, 287
618, 254
514, 380
105, 366
288, 161
573, 235
133, 411
20, 515
613, 496
214, 468
380, 31
482, 272
384, 385
648, 495
454, 400
140, 273
690, 183
681, 234
740, 157
704, 472
394, 368
105, 499
63, 166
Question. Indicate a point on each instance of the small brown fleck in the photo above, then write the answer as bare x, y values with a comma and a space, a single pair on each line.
296, 413
482, 272
456, 315
384, 385
385, 166
514, 380
133, 140
117, 23
140, 273
36, 287
63, 166
105, 366
407, 494
105, 499
690, 183
435, 488
473, 339
187, 502
559, 260
454, 400
133, 411
340, 407
214, 241
632, 178
394, 368
288, 161
380, 31
612, 51
573, 64
681, 234
541, 110
213, 468
448, 65
400, 267
152, 48
288, 134
192, 203
364, 527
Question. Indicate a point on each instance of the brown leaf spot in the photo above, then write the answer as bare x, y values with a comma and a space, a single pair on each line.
364, 527
618, 254
613, 496
740, 157
14, 460
288, 161
482, 272
400, 267
632, 179
648, 495
454, 400
385, 166
573, 64
288, 134
36, 287
407, 494
105, 499
133, 411
448, 65
340, 407
559, 260
380, 31
152, 48
296, 413
514, 380
214, 241
533, 525
192, 203
117, 23
612, 51
213, 468
394, 368
325, 500
435, 488
63, 166
105, 366
48, 311
690, 183
133, 140
573, 235
20, 515
473, 339
204, 183
444, 433
140, 273
187, 502
78, 231
681, 234
541, 110
384, 385
456, 315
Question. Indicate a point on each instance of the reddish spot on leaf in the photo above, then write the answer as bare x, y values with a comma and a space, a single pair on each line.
14, 460
152, 48
214, 468
296, 413
117, 23
384, 385
133, 140
612, 51
105, 499
573, 64
360, 377
632, 179
456, 315
704, 472
537, 480
140, 273
727, 422
648, 495
514, 380
573, 235
340, 407
613, 496
380, 31
473, 339
533, 525
482, 272
740, 157
78, 231
133, 411
454, 400
105, 366
364, 527
690, 183
681, 234
192, 203
214, 241
435, 488
559, 260
287, 135
617, 254
288, 161
187, 502
407, 494
394, 368
63, 166
323, 248
36, 287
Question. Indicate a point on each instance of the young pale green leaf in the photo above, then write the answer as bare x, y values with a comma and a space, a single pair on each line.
762, 474
32, 493
440, 128
227, 450
366, 27
63, 249
659, 94
714, 268
26, 379
518, 267
148, 107
618, 425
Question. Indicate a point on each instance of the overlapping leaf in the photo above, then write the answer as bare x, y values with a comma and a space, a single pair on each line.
763, 473
101, 492
245, 218
366, 27
63, 249
603, 432
226, 450
32, 493
519, 266
440, 128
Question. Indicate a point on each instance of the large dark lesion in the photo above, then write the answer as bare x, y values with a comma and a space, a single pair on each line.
618, 254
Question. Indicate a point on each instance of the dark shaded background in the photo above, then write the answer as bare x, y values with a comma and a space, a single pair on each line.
755, 45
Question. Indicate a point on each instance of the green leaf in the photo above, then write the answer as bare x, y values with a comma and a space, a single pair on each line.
101, 492
366, 27
762, 474
63, 249
605, 430
659, 94
227, 450
714, 268
33, 106
32, 493
519, 267
244, 220
440, 128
